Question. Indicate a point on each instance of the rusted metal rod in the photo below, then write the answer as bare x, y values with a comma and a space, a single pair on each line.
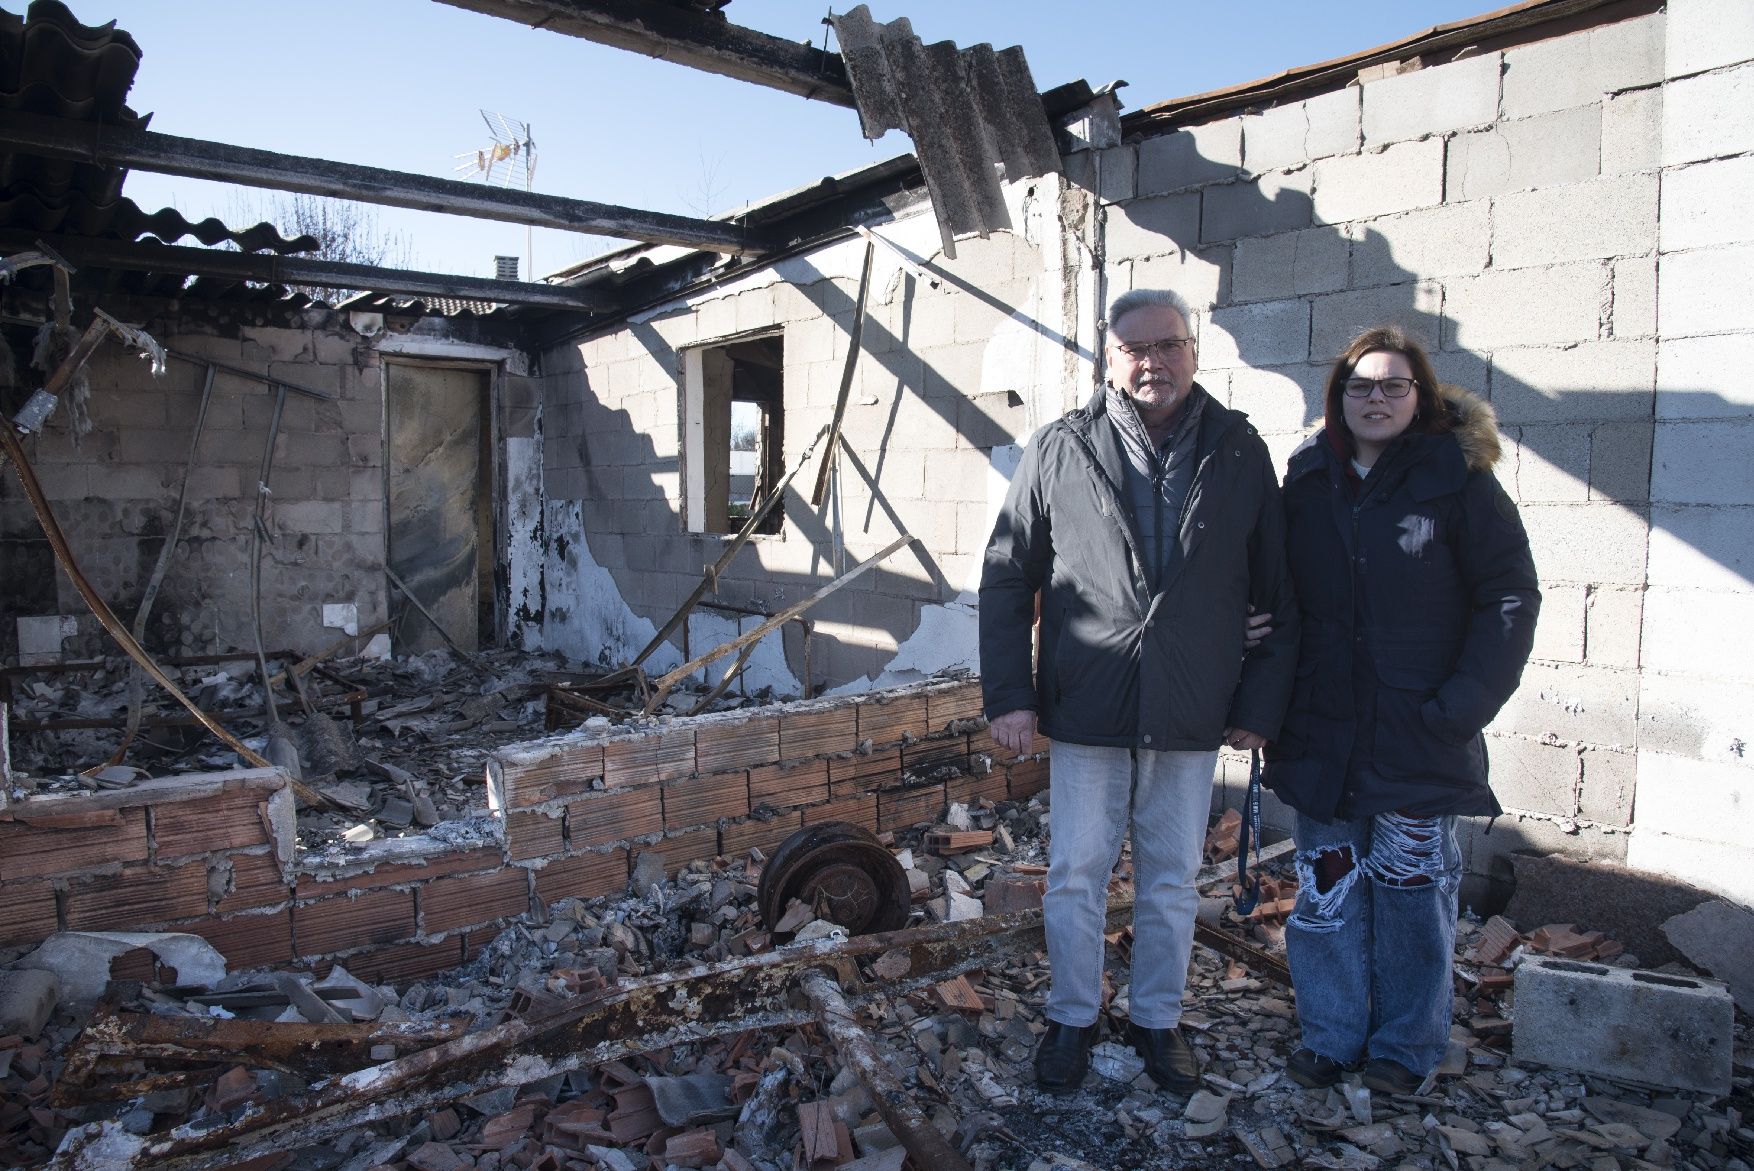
908, 1122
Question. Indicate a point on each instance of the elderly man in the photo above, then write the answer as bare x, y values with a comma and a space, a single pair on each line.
1149, 523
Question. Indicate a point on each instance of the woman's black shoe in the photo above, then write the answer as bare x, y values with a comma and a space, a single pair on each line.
1313, 1071
1391, 1077
1063, 1057
1169, 1059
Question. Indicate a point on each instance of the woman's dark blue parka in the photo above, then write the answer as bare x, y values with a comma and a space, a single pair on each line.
1418, 599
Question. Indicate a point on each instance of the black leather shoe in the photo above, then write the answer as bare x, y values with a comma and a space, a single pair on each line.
1063, 1057
1391, 1077
1169, 1059
1311, 1070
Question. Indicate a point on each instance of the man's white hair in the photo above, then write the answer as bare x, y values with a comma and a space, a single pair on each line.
1148, 298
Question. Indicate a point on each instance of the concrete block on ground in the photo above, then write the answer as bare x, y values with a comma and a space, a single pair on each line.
1632, 130
1399, 178
1708, 34
1269, 333
1433, 100
1276, 202
1339, 317
1709, 116
1645, 1027
1703, 462
1718, 937
28, 997
1579, 68
1190, 157
1708, 204
1562, 147
1289, 265
1432, 242
1584, 221
1151, 227
1530, 306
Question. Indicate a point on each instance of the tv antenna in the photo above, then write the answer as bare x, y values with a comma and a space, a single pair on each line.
508, 159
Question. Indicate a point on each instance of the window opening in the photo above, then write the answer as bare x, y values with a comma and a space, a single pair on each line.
735, 432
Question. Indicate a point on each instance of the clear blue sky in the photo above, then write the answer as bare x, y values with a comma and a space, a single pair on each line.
398, 83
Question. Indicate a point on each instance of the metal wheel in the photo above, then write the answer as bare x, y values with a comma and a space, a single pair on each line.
841, 870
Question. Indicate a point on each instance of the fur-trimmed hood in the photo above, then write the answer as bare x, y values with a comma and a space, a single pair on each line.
1476, 427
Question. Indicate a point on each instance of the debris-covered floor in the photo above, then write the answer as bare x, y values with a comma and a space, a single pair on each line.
392, 746
784, 1097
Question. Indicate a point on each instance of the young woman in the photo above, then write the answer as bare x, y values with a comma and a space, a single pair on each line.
1418, 598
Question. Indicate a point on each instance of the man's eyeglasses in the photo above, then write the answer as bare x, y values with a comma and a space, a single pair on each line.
1391, 387
1163, 347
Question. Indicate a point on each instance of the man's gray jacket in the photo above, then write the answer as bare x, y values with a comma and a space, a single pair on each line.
1126, 661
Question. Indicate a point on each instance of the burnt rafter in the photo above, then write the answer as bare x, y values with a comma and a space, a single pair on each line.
686, 36
196, 158
267, 268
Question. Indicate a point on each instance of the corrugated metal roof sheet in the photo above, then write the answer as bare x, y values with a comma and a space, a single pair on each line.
969, 111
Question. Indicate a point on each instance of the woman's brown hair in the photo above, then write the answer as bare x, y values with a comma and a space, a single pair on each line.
1433, 415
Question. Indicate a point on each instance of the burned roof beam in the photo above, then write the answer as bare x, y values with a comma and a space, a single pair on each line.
673, 33
144, 150
270, 269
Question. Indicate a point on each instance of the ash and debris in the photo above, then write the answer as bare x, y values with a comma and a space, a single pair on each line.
409, 767
773, 1099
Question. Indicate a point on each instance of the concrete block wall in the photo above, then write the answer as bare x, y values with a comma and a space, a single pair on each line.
946, 374
115, 494
1565, 224
213, 855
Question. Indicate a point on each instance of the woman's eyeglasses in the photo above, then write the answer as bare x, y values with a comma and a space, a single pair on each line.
1391, 387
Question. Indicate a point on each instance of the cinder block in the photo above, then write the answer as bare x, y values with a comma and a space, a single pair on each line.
1151, 227
1680, 476
1620, 463
1610, 782
1290, 264
1579, 68
1582, 704
1284, 399
1544, 151
1690, 716
1559, 635
1708, 34
1337, 318
1269, 333
1117, 173
1292, 135
1198, 276
1490, 851
1708, 203
1190, 157
1613, 620
1276, 202
1531, 306
1709, 116
1713, 866
1432, 242
1632, 130
1535, 777
1615, 216
1574, 384
1594, 543
1552, 464
1702, 377
1645, 1027
1678, 636
1633, 305
1433, 100
1701, 548
1358, 187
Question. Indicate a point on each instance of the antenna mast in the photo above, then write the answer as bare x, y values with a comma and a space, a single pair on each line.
509, 156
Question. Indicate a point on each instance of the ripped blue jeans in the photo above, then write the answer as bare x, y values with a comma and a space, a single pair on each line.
1371, 940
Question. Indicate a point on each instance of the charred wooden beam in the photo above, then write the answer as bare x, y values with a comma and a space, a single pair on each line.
671, 32
144, 150
268, 268
673, 1008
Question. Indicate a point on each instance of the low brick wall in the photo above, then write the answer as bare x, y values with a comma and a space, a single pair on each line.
214, 854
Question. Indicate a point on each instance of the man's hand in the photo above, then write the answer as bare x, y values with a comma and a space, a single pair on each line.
1243, 739
1254, 628
1014, 731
